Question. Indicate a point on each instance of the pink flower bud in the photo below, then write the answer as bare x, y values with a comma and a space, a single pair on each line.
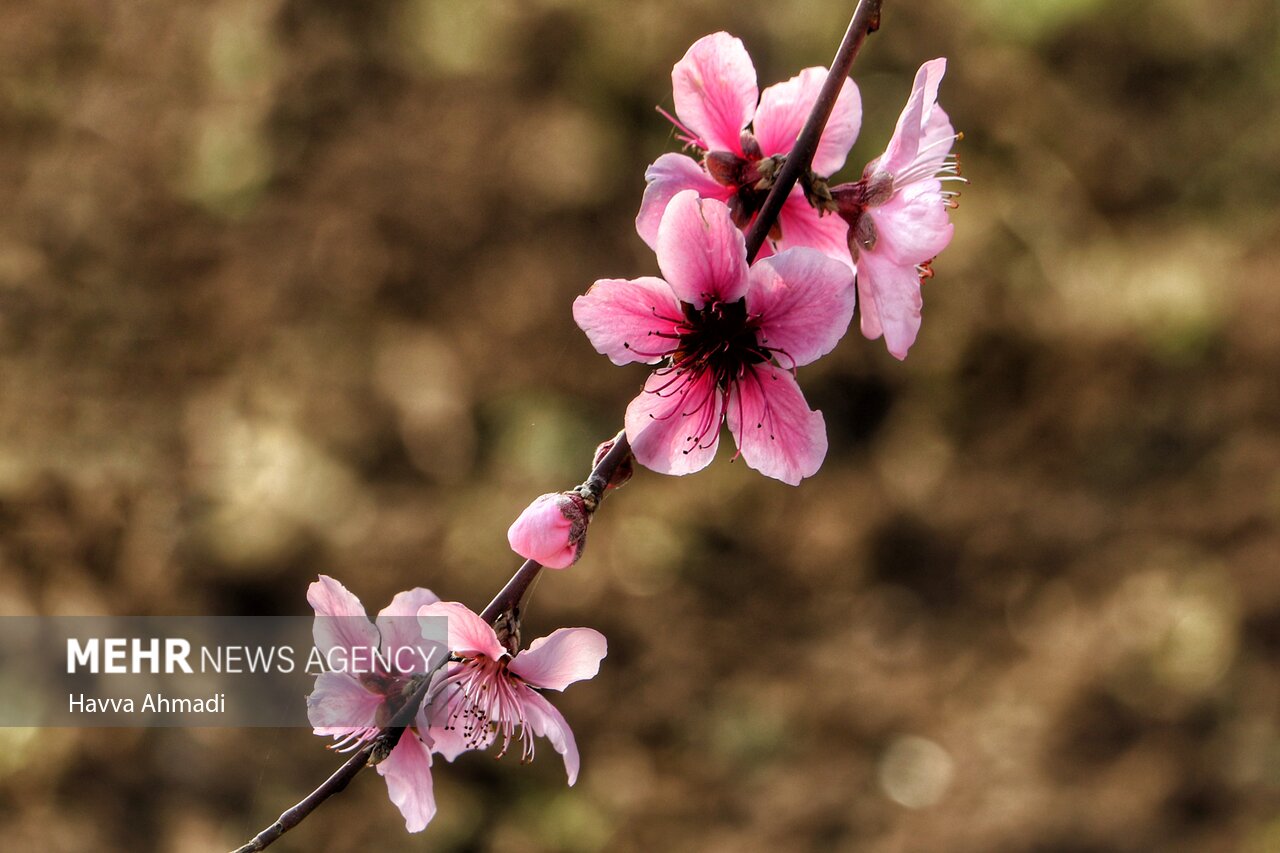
551, 530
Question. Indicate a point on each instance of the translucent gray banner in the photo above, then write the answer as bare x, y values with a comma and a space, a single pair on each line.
91, 671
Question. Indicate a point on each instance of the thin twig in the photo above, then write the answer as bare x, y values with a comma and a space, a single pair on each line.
294, 816
866, 20
380, 745
509, 599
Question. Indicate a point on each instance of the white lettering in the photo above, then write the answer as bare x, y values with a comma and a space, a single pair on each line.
315, 661
81, 704
158, 703
151, 653
233, 658
115, 656
260, 659
86, 655
176, 651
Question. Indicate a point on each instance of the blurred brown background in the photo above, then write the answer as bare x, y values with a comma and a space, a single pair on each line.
285, 287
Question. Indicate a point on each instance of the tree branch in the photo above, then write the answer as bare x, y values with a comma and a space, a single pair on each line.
380, 746
509, 600
866, 20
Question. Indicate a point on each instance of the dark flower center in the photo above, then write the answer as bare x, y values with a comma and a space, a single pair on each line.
750, 177
721, 338
717, 347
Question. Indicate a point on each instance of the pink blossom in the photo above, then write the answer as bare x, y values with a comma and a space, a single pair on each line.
716, 99
354, 706
551, 530
488, 694
897, 214
730, 337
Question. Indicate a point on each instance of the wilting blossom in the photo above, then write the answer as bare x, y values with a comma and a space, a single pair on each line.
354, 706
551, 530
897, 214
728, 337
741, 142
488, 694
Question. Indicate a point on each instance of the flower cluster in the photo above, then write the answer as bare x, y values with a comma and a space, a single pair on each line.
727, 335
741, 143
889, 225
482, 693
724, 334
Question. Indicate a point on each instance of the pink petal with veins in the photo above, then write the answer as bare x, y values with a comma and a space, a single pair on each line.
469, 635
805, 302
912, 226
408, 773
399, 628
665, 177
701, 253
784, 108
340, 705
909, 135
547, 722
629, 320
714, 85
674, 424
776, 432
340, 621
891, 301
802, 226
561, 658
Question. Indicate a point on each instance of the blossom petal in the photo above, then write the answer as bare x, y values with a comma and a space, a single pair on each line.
444, 723
776, 432
408, 773
340, 619
469, 635
629, 320
937, 138
339, 705
784, 107
561, 658
805, 302
546, 721
674, 424
702, 254
912, 226
890, 296
714, 85
801, 225
916, 116
399, 628
665, 177
450, 741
